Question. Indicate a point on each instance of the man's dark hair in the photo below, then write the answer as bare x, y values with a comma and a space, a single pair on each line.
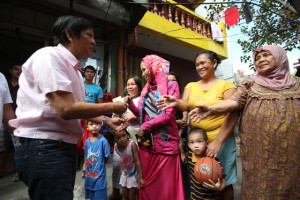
89, 67
71, 23
212, 55
198, 131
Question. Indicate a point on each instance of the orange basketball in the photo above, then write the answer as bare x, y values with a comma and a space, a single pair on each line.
208, 168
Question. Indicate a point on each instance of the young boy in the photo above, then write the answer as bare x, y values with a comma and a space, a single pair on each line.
93, 92
96, 153
197, 142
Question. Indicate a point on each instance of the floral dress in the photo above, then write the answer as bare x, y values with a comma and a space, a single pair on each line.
270, 137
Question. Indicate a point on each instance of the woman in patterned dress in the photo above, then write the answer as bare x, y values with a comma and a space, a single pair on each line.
269, 131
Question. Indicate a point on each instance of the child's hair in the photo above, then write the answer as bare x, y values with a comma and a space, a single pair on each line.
87, 123
200, 131
90, 67
114, 133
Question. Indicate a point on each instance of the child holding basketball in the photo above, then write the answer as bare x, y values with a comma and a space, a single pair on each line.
197, 143
96, 153
131, 168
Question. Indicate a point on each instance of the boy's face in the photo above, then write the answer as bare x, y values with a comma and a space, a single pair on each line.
89, 74
93, 127
197, 144
15, 71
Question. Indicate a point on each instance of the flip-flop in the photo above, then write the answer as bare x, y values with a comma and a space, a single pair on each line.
16, 178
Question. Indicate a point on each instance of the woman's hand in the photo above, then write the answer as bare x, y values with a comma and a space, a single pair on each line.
199, 113
167, 101
219, 186
117, 124
182, 157
142, 182
182, 124
213, 149
130, 118
127, 99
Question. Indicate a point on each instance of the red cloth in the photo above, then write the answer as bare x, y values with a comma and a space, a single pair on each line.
232, 16
162, 175
86, 135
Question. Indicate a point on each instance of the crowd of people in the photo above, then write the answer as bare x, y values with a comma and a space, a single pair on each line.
159, 133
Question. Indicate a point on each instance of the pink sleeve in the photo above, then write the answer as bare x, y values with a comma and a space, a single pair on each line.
169, 115
134, 109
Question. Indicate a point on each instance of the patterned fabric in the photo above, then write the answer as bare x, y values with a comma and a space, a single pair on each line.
269, 141
159, 70
280, 78
162, 126
197, 190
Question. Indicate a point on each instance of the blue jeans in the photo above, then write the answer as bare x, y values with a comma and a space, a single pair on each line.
47, 167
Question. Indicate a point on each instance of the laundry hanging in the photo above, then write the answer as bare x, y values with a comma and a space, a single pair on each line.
216, 32
232, 16
247, 12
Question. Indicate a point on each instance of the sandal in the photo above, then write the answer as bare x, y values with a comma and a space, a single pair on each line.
16, 178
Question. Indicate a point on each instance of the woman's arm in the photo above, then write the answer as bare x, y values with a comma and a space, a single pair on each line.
203, 111
83, 167
226, 131
137, 161
167, 116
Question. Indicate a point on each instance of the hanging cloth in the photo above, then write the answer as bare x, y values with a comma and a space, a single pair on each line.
216, 32
232, 16
247, 12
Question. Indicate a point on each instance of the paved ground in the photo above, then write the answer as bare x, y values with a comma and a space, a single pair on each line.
18, 191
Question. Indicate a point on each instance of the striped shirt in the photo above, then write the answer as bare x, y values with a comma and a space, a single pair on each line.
197, 190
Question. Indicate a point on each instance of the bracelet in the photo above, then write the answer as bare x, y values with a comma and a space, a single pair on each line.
103, 121
83, 171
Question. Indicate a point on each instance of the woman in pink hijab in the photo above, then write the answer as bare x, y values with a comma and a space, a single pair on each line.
160, 154
269, 129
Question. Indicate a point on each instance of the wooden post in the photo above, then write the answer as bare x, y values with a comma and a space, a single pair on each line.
204, 29
182, 19
170, 13
194, 24
155, 10
163, 11
176, 16
208, 31
199, 27
188, 21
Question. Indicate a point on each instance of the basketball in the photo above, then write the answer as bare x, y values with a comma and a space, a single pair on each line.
208, 168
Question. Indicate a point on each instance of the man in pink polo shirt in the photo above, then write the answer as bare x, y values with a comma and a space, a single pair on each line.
50, 105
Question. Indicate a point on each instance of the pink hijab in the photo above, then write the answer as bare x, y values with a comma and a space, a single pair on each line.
159, 70
280, 78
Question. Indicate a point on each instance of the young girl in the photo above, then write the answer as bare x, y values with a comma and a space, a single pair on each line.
131, 175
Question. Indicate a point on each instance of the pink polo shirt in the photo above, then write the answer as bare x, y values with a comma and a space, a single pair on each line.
48, 70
